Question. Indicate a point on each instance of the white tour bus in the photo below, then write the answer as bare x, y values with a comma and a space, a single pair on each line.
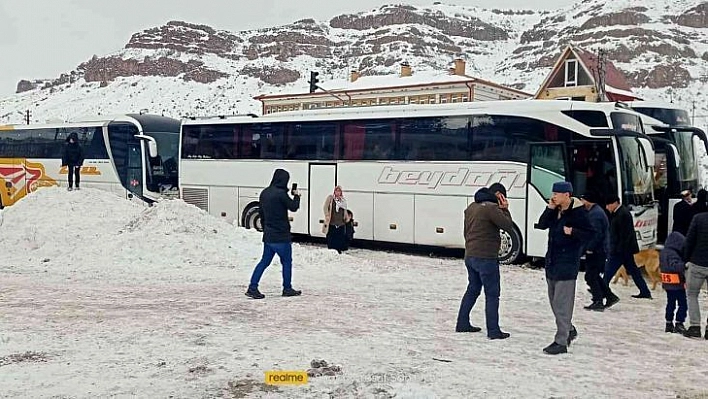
409, 171
133, 155
679, 148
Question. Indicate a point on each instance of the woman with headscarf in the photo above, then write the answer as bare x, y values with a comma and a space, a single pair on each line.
335, 220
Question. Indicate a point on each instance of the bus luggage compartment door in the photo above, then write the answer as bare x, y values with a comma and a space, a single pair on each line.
322, 180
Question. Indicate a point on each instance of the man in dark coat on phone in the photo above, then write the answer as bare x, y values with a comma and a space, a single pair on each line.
274, 206
569, 229
488, 214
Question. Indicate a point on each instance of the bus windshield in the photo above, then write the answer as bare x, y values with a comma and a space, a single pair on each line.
164, 169
669, 116
636, 175
684, 144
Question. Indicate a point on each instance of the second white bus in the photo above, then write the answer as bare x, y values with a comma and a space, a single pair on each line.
409, 172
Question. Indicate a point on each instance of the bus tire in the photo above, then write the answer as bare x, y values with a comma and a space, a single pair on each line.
510, 250
252, 218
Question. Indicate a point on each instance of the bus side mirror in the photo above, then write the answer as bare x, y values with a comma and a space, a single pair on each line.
648, 151
677, 157
151, 144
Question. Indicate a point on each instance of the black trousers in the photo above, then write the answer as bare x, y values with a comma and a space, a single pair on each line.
594, 266
74, 175
337, 238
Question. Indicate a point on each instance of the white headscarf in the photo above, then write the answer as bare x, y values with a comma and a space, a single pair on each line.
339, 202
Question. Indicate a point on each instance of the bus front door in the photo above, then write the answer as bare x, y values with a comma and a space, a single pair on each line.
548, 163
322, 179
135, 170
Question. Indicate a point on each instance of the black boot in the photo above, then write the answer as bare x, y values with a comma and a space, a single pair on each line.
291, 292
469, 328
254, 293
500, 335
611, 300
572, 335
693, 332
670, 327
596, 306
679, 328
555, 349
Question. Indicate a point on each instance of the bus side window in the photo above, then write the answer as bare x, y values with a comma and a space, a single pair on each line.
379, 140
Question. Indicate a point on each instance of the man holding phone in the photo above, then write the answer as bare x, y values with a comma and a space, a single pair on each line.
569, 229
277, 239
488, 214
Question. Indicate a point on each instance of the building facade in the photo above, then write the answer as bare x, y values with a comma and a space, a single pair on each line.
583, 76
402, 88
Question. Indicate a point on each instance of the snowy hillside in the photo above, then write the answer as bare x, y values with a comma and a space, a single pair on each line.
101, 297
185, 69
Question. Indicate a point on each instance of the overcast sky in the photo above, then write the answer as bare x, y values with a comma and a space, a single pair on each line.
43, 38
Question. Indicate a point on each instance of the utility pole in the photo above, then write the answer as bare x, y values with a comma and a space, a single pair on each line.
27, 116
693, 114
601, 75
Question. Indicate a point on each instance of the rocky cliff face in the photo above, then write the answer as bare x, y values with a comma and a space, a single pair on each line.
657, 46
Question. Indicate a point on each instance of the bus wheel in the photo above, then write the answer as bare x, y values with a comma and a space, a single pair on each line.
510, 249
252, 218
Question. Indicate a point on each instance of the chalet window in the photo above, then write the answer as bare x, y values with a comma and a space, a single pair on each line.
571, 73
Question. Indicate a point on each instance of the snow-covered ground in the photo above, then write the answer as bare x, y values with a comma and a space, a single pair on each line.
100, 297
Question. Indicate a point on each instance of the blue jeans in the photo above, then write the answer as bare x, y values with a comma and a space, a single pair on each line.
482, 273
285, 253
614, 261
674, 297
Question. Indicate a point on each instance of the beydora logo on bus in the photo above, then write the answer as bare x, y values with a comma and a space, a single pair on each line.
85, 170
460, 177
645, 223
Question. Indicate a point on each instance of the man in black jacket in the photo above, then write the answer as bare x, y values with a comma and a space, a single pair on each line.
569, 229
696, 253
623, 246
274, 206
596, 252
73, 158
683, 213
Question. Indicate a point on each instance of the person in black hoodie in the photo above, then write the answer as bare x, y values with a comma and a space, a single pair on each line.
73, 158
673, 277
683, 213
569, 228
274, 206
623, 246
701, 204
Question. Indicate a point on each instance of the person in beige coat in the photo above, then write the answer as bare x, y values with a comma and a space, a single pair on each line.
336, 218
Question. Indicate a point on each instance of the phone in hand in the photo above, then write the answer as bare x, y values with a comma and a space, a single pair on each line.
502, 201
293, 189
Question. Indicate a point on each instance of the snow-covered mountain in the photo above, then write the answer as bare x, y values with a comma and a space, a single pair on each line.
182, 68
